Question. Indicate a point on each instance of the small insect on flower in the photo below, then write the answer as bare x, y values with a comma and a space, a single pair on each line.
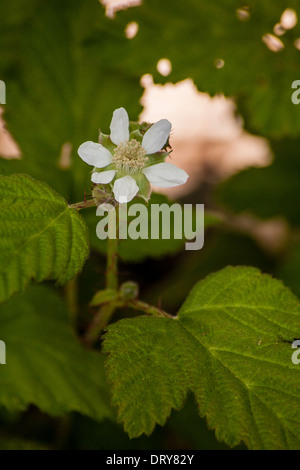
130, 161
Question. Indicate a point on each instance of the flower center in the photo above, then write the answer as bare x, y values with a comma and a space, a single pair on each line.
130, 157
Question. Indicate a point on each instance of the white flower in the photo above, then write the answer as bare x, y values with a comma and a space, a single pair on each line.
131, 162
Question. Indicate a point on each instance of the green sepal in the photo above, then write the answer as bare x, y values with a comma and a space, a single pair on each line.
155, 158
134, 126
112, 166
106, 141
142, 127
137, 135
101, 193
144, 185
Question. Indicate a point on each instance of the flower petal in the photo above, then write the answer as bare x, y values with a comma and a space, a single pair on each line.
125, 189
104, 177
156, 137
165, 175
119, 126
95, 154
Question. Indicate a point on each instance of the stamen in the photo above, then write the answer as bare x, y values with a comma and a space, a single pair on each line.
130, 157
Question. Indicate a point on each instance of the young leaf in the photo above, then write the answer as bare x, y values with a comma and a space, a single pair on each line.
103, 296
230, 346
40, 236
45, 363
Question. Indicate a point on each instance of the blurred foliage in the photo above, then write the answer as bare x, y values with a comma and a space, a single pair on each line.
289, 268
195, 35
270, 191
62, 87
67, 67
42, 351
13, 444
222, 248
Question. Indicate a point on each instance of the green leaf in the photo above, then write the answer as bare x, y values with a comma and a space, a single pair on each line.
270, 191
45, 364
230, 346
193, 429
41, 237
103, 296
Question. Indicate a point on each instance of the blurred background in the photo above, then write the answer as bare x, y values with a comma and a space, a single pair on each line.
222, 74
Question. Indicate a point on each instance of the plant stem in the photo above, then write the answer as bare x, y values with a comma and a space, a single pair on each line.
101, 320
112, 264
106, 311
148, 309
83, 205
71, 292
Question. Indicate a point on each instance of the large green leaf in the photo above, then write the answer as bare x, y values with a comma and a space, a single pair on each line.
230, 346
45, 364
40, 236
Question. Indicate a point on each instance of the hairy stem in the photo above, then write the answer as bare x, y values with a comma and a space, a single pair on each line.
101, 320
112, 264
106, 311
71, 293
83, 205
148, 309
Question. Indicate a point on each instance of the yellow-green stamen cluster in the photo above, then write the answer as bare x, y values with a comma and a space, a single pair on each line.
130, 157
